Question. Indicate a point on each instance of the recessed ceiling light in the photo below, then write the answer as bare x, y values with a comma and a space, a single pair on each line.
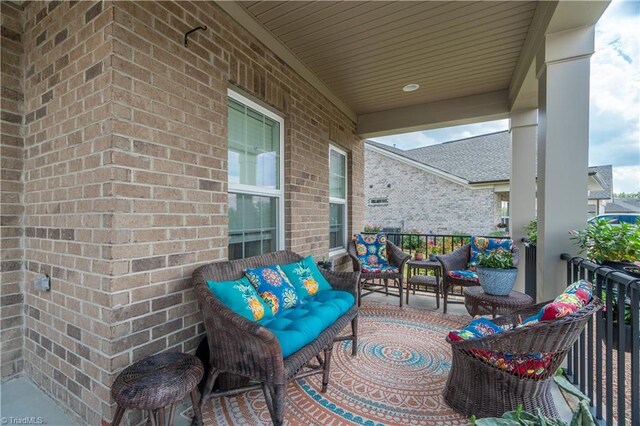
411, 87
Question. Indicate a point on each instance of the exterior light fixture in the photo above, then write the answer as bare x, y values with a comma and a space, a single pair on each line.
411, 87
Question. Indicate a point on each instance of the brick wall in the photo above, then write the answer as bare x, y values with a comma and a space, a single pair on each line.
126, 179
11, 188
423, 200
67, 226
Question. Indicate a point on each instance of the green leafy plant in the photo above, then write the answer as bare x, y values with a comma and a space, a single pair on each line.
531, 229
615, 304
370, 228
412, 242
497, 234
497, 259
604, 241
581, 414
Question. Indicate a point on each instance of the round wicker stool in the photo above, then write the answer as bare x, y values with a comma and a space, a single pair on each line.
478, 302
156, 382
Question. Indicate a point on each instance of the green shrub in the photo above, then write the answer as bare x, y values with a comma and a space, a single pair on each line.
497, 259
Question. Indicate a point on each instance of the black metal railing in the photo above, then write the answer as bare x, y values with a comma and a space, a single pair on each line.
441, 243
605, 362
530, 258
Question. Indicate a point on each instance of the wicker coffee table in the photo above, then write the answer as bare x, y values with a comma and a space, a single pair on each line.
478, 302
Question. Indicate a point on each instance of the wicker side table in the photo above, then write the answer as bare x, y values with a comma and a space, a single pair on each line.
478, 302
156, 382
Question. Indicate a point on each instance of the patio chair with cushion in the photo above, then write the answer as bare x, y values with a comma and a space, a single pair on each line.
458, 267
378, 261
264, 338
497, 365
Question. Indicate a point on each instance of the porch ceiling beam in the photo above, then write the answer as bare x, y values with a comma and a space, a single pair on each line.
449, 112
523, 91
239, 14
550, 17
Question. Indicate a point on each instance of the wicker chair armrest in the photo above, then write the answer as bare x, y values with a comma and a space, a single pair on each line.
351, 251
345, 281
396, 256
456, 260
236, 344
545, 336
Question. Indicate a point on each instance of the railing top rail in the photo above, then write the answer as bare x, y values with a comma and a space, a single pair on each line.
503, 237
610, 273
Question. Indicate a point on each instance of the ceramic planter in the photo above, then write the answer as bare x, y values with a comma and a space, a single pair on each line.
497, 282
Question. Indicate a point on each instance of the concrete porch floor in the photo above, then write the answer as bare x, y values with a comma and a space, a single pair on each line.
23, 402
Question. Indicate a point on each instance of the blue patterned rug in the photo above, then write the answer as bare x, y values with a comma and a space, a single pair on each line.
396, 379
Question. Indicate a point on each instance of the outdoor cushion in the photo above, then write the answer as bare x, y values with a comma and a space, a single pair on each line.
296, 328
241, 297
574, 297
464, 274
379, 269
526, 365
484, 245
274, 287
306, 277
531, 365
372, 249
479, 327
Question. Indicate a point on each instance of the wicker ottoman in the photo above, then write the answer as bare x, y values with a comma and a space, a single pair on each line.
156, 382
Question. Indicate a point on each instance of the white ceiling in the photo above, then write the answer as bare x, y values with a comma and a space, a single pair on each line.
367, 51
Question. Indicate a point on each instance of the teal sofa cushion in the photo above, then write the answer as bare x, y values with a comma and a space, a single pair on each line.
241, 297
296, 328
306, 277
274, 287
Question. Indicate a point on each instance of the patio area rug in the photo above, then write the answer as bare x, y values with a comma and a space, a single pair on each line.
396, 379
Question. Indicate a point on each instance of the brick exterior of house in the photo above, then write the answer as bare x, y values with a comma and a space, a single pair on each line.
114, 173
11, 191
420, 200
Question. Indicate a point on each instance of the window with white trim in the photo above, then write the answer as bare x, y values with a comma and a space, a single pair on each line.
337, 199
255, 173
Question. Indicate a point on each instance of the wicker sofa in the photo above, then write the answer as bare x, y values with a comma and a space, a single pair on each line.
458, 260
247, 354
477, 387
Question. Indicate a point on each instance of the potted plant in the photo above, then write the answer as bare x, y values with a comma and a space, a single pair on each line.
496, 272
627, 320
614, 245
325, 264
433, 251
419, 255
532, 231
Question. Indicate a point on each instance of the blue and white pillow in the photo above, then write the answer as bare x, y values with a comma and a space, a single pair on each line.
274, 287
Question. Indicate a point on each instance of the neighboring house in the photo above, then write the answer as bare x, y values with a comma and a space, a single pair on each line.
458, 186
623, 205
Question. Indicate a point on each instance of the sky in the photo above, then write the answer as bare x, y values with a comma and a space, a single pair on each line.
614, 132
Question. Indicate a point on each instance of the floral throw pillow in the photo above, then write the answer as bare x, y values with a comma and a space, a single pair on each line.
274, 287
372, 249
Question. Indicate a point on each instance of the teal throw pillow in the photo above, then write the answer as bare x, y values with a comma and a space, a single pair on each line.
241, 297
274, 287
306, 277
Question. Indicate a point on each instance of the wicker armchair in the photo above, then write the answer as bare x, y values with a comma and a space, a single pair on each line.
397, 258
475, 387
458, 260
248, 352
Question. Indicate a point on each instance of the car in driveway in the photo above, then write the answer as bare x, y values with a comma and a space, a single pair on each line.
618, 218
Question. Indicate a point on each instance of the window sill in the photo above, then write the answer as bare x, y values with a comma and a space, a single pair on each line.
336, 252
